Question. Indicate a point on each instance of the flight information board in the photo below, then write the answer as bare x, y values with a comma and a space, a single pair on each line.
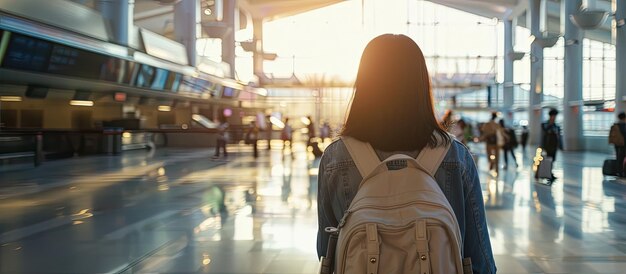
22, 52
79, 63
27, 53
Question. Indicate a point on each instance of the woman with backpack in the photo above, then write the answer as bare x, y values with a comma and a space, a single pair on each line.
392, 114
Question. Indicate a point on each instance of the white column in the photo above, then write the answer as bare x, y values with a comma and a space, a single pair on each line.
508, 71
186, 26
257, 58
620, 57
228, 39
573, 75
119, 14
536, 74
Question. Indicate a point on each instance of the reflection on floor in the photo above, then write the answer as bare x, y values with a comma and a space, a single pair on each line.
178, 211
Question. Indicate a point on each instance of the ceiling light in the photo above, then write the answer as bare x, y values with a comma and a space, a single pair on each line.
164, 108
11, 98
81, 103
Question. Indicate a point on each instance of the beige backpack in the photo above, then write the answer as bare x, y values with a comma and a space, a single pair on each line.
399, 221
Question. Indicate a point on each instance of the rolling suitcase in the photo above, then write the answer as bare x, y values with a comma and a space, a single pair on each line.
544, 170
609, 167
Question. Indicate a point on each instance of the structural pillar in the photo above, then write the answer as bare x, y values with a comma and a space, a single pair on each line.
620, 56
119, 14
536, 74
186, 26
228, 38
573, 78
257, 58
508, 87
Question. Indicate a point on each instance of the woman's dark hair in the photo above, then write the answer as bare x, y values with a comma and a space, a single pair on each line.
494, 115
392, 107
621, 115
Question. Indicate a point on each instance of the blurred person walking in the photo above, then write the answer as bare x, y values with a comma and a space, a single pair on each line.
617, 135
252, 136
311, 131
509, 145
489, 135
325, 132
551, 136
222, 138
524, 138
392, 117
268, 131
465, 134
286, 134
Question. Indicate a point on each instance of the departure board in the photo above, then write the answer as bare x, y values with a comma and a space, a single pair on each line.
79, 63
113, 70
197, 86
145, 76
37, 55
130, 72
159, 79
173, 81
27, 53
230, 93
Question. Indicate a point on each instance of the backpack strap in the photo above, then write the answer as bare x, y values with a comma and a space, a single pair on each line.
431, 158
362, 154
366, 159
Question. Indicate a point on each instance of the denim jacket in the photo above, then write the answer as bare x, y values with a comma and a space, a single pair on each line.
457, 176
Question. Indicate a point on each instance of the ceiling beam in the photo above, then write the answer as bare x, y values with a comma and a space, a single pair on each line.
516, 11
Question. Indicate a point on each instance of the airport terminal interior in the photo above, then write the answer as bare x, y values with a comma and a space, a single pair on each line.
185, 136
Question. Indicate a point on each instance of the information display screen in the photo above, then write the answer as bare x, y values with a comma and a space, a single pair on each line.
196, 85
230, 93
173, 81
113, 70
79, 63
32, 54
145, 76
27, 53
159, 79
130, 72
186, 85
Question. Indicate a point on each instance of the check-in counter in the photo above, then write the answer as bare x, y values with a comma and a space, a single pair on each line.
140, 139
18, 145
191, 138
132, 140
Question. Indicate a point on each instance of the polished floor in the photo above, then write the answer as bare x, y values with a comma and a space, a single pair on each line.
179, 211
